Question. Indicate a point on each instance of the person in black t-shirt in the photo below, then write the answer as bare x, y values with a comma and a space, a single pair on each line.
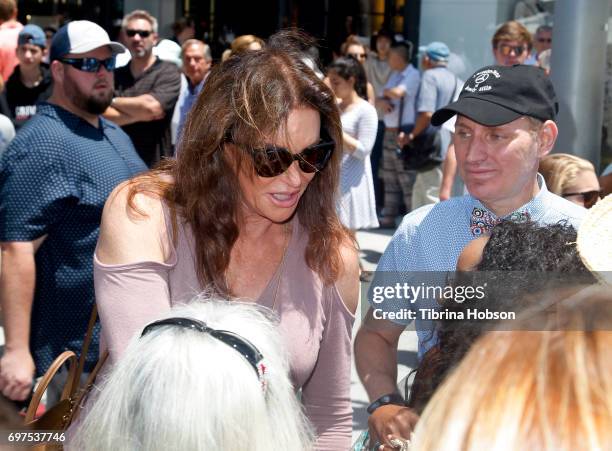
30, 82
146, 91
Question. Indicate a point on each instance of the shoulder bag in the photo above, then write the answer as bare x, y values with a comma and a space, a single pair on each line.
61, 415
425, 150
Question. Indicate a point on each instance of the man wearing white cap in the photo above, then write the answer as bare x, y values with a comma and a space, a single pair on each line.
54, 179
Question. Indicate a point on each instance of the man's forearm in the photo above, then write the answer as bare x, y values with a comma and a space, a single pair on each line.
394, 93
17, 281
119, 118
143, 108
422, 122
376, 362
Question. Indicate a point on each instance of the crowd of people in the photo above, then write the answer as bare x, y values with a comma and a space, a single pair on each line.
208, 205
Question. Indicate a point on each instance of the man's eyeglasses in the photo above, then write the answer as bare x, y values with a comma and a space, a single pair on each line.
544, 40
272, 161
357, 56
589, 198
141, 33
90, 64
506, 49
239, 344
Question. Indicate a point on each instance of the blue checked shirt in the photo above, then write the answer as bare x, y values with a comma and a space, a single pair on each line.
432, 237
54, 179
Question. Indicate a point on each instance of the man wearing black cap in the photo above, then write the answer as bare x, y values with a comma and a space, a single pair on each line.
505, 124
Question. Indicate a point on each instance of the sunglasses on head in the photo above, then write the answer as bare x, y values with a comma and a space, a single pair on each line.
90, 64
141, 33
589, 198
239, 344
272, 160
506, 49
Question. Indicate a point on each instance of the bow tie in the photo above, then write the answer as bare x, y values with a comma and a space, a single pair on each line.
482, 221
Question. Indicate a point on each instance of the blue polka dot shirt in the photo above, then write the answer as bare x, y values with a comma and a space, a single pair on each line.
55, 177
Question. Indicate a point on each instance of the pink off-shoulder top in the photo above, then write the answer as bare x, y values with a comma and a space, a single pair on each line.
314, 322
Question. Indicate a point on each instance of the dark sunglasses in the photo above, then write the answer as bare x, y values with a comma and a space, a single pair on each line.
357, 56
589, 198
241, 345
272, 161
141, 33
505, 49
90, 64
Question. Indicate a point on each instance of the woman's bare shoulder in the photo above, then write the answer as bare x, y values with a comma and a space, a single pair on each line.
133, 226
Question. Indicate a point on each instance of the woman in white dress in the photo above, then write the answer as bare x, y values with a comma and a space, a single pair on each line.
357, 206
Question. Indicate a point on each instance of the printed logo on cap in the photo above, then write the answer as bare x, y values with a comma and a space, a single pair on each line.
479, 78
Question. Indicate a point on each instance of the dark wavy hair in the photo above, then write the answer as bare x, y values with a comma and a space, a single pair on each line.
347, 67
245, 100
519, 263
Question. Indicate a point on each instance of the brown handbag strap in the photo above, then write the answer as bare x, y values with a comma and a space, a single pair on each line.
85, 348
88, 386
66, 356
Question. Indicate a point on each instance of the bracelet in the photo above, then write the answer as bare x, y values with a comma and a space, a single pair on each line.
391, 398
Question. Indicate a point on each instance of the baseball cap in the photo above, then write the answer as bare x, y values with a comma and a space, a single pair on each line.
437, 51
81, 36
496, 95
32, 34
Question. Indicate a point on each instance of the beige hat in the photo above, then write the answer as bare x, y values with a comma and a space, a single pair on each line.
595, 240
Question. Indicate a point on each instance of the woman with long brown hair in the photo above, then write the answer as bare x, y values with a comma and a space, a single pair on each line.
248, 211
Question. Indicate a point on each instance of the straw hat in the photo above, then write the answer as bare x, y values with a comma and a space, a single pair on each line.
595, 240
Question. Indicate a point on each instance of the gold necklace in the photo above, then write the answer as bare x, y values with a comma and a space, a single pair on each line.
32, 84
280, 268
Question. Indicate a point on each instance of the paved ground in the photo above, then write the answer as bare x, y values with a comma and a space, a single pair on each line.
372, 244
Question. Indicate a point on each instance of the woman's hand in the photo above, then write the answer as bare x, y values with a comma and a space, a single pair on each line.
350, 143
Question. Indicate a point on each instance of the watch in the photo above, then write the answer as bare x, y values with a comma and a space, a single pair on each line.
391, 398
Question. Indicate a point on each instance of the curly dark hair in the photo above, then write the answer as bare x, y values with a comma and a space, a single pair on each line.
519, 263
528, 246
